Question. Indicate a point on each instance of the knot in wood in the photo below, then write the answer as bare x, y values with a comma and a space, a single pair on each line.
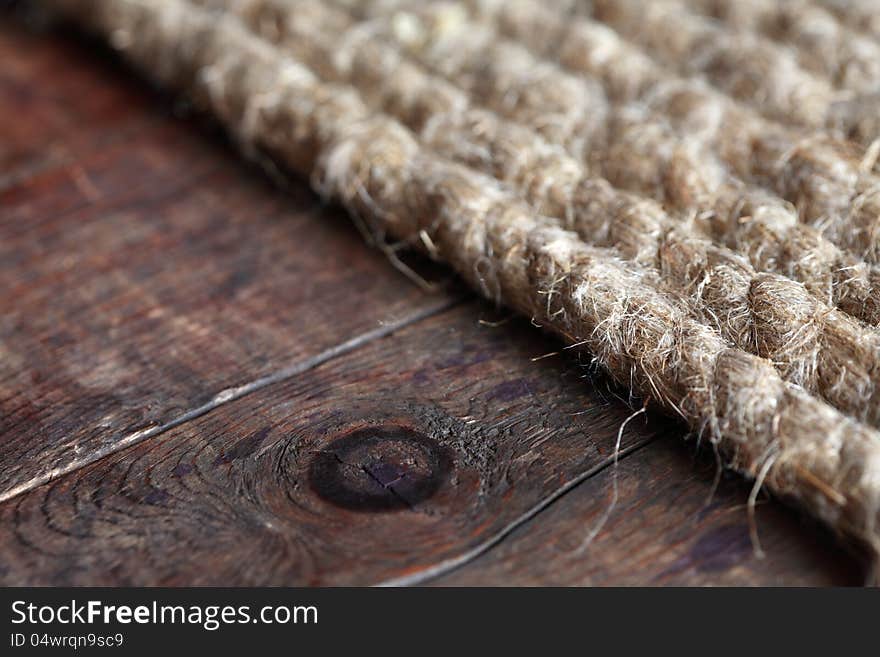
383, 468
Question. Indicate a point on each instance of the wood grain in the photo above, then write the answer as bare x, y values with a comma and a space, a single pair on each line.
665, 529
204, 380
243, 495
318, 480
61, 101
148, 276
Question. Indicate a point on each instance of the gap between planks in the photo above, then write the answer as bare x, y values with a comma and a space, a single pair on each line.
32, 169
448, 565
231, 394
237, 392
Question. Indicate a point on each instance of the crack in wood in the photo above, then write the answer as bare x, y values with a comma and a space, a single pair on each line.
237, 392
448, 565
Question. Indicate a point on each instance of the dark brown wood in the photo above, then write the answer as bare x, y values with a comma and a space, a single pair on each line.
206, 380
665, 529
60, 102
308, 481
149, 274
405, 459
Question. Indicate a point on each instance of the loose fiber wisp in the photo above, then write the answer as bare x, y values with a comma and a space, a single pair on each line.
713, 244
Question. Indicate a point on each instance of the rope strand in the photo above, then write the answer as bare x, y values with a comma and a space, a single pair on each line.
641, 334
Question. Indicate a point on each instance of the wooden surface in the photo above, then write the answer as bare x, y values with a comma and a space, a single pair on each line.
204, 380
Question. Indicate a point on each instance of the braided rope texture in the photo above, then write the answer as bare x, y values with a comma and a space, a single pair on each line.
688, 191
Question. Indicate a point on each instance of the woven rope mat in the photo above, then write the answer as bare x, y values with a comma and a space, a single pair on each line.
687, 191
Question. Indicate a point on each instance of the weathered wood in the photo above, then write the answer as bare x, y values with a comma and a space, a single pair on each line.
61, 101
144, 271
278, 488
664, 530
142, 279
401, 460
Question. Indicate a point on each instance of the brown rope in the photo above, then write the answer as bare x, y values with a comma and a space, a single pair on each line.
647, 334
813, 345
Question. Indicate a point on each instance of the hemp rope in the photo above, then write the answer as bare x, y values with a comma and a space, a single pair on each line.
822, 44
769, 315
746, 65
640, 151
859, 15
829, 190
823, 177
641, 333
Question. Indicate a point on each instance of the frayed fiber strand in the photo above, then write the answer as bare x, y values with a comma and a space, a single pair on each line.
683, 190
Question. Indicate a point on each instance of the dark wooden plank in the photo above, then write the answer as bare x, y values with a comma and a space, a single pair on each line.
60, 101
408, 456
398, 458
664, 530
148, 275
143, 271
